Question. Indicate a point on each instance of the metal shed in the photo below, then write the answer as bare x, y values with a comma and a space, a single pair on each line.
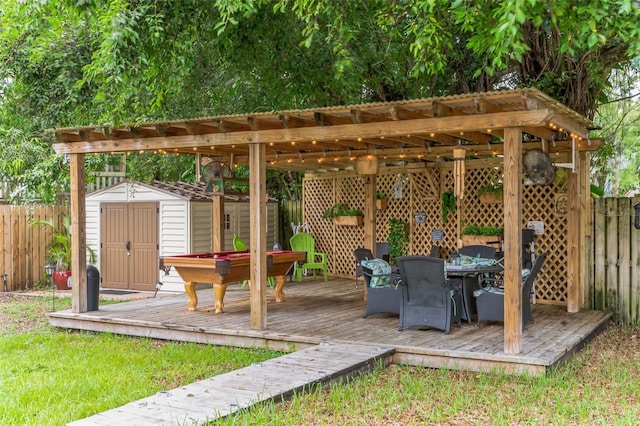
130, 224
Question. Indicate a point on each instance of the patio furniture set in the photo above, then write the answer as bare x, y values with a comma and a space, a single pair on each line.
425, 291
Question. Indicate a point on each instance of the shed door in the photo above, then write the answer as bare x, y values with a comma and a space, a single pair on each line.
129, 246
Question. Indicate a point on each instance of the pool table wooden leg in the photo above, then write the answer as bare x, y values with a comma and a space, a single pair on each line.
218, 292
190, 289
280, 280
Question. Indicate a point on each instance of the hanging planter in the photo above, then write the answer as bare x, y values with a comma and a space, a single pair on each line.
491, 194
381, 201
349, 220
343, 215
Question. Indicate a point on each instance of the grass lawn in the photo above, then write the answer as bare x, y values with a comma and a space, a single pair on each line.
50, 377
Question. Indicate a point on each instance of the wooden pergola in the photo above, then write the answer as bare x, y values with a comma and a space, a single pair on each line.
411, 133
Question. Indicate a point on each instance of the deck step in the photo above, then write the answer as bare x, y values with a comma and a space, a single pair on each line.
219, 396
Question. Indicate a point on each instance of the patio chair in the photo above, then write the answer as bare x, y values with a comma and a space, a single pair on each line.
435, 251
427, 297
383, 294
240, 245
305, 242
490, 300
360, 255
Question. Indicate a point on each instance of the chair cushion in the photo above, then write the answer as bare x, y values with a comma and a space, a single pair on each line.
380, 272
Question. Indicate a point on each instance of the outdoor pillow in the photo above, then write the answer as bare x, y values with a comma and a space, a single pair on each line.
380, 272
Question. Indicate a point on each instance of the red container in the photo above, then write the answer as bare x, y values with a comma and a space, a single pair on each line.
61, 279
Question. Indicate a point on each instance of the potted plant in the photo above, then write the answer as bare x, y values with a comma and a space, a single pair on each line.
381, 201
60, 251
398, 237
481, 235
448, 204
344, 215
491, 193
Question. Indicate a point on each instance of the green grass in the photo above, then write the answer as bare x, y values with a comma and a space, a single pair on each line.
49, 377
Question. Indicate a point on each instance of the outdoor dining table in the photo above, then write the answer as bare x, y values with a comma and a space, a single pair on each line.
470, 274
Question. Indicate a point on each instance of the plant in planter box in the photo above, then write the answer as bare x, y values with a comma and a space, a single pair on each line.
381, 201
491, 193
398, 237
481, 235
339, 211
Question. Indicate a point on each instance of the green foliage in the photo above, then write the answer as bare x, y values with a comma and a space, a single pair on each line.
482, 230
448, 204
398, 238
60, 249
107, 370
78, 63
381, 196
493, 189
339, 209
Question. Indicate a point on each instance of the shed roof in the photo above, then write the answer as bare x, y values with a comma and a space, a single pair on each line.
332, 138
185, 190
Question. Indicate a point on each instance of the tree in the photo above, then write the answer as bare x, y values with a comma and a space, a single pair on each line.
69, 63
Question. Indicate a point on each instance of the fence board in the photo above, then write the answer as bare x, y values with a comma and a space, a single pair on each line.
24, 247
616, 262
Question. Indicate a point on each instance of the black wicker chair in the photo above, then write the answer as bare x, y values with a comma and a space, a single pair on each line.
428, 299
360, 255
490, 301
382, 299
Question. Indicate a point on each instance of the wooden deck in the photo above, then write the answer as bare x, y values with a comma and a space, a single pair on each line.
315, 311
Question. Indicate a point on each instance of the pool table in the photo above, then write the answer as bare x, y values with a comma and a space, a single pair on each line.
222, 268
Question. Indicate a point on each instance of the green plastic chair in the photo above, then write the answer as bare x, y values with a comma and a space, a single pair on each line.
305, 242
240, 245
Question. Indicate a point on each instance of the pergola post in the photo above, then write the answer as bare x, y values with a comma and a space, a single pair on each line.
513, 240
258, 236
370, 212
218, 223
573, 237
78, 234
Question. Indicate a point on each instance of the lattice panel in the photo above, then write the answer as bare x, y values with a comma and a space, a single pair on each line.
317, 197
397, 208
540, 203
426, 199
346, 239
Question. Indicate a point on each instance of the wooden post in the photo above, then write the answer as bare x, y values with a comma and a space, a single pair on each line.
513, 240
218, 223
573, 238
78, 235
258, 236
370, 212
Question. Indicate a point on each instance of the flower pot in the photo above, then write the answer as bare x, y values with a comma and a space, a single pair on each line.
381, 203
349, 220
61, 279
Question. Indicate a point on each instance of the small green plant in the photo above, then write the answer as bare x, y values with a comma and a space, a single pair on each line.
339, 209
482, 230
398, 237
448, 204
381, 196
495, 190
60, 249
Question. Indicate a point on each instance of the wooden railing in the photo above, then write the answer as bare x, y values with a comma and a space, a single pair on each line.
613, 260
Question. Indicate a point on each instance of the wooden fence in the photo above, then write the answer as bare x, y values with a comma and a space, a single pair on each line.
613, 282
290, 212
24, 246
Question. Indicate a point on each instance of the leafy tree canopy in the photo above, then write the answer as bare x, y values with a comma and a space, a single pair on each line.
79, 62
